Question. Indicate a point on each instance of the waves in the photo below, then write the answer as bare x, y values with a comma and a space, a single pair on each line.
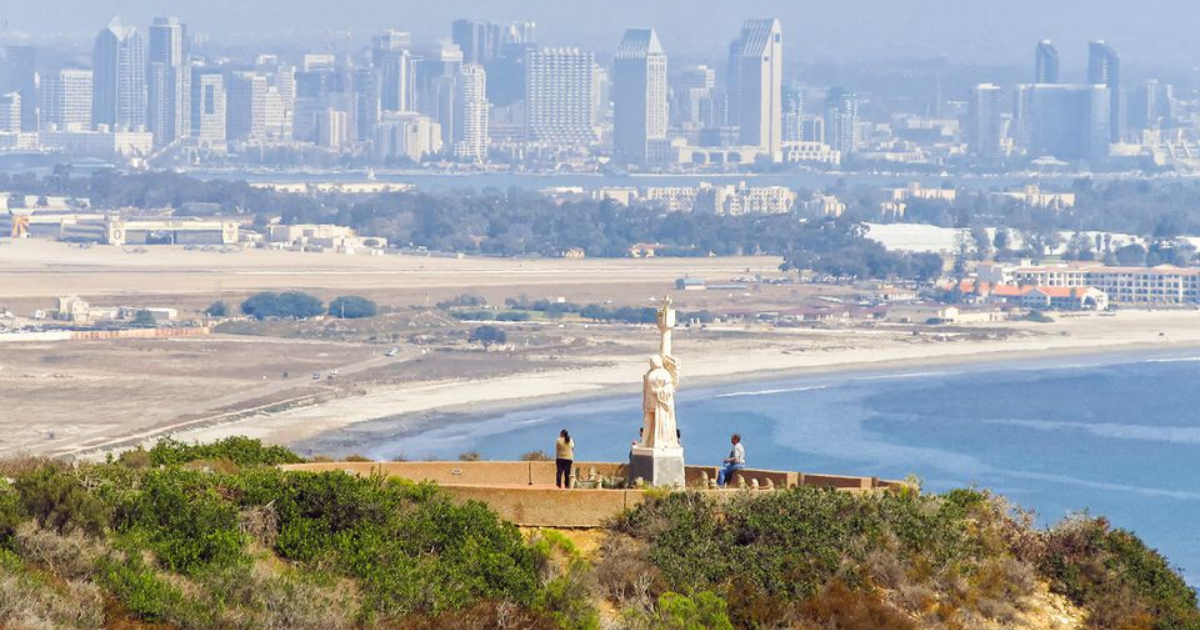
1140, 432
772, 392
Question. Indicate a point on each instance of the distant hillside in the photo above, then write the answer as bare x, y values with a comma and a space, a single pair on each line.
214, 536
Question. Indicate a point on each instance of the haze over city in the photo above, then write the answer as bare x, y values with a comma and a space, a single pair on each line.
1155, 32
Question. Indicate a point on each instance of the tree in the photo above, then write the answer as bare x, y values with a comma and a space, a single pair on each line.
290, 304
144, 319
1133, 255
352, 307
217, 309
488, 335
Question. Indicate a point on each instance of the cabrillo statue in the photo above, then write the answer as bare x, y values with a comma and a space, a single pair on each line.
658, 458
659, 429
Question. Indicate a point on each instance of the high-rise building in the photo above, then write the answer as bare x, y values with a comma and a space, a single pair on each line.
393, 61
759, 87
560, 89
1104, 68
986, 132
692, 93
208, 109
1045, 63
168, 86
10, 112
640, 107
793, 112
67, 99
367, 103
1152, 106
246, 107
506, 75
471, 114
406, 135
1068, 122
119, 77
434, 69
481, 41
841, 121
21, 65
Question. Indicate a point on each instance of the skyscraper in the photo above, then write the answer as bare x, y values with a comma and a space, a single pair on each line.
119, 77
67, 99
481, 41
21, 62
392, 60
759, 95
639, 95
793, 112
560, 90
208, 108
1046, 63
246, 107
167, 81
471, 113
1104, 68
1068, 122
10, 112
841, 120
985, 133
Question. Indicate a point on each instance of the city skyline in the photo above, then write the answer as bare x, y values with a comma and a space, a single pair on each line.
860, 31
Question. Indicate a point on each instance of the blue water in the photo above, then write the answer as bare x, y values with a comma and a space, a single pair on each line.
1117, 435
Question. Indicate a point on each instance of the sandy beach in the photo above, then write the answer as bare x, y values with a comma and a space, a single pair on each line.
714, 362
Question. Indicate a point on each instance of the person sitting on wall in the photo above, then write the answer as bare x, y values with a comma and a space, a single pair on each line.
735, 461
564, 458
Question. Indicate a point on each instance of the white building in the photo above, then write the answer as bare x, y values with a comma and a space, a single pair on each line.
10, 112
471, 114
208, 109
408, 135
66, 96
561, 95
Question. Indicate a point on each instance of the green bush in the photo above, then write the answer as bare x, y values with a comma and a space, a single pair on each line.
57, 499
142, 592
10, 514
239, 450
287, 305
703, 611
352, 307
183, 518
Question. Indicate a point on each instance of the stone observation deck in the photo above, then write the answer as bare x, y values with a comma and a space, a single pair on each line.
524, 492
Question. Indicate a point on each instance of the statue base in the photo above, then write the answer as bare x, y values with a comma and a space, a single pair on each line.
657, 466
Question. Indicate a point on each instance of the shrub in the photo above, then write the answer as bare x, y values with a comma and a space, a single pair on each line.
57, 500
239, 450
352, 307
470, 456
702, 611
488, 336
183, 518
142, 592
217, 309
287, 305
536, 456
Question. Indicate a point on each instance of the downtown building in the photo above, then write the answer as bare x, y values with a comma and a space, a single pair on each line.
1067, 122
168, 84
756, 86
986, 129
209, 109
66, 97
471, 114
561, 94
640, 96
246, 95
119, 77
21, 68
841, 129
1104, 68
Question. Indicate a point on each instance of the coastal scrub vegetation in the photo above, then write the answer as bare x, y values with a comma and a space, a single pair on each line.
200, 536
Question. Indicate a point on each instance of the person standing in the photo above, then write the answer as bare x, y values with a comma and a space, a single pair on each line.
564, 458
735, 461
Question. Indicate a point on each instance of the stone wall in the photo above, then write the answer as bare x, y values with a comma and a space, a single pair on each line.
524, 492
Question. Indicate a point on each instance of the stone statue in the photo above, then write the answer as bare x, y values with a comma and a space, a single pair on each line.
658, 458
659, 429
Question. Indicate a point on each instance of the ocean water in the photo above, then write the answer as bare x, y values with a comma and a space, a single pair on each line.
1117, 435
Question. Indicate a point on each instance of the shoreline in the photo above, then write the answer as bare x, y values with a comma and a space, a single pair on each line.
712, 358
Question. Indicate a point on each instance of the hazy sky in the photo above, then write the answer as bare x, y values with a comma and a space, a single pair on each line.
1147, 32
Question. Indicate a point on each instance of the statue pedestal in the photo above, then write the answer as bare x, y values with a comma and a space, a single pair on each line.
657, 466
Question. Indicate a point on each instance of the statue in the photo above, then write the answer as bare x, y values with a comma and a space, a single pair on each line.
659, 385
658, 458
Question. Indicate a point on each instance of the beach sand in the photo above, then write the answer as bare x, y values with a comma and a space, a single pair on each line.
781, 354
